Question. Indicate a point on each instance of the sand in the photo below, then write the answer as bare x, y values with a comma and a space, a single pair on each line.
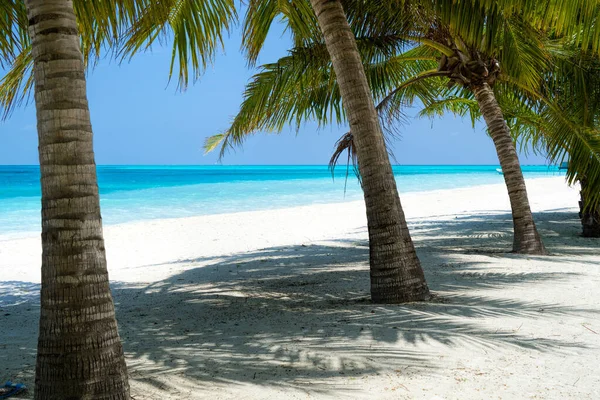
275, 304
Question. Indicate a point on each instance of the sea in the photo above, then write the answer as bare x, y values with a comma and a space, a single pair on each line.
136, 193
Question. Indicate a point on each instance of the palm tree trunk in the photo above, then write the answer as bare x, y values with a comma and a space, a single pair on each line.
396, 273
526, 238
590, 218
79, 349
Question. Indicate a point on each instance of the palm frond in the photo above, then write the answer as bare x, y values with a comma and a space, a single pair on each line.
195, 28
261, 14
13, 30
17, 83
461, 106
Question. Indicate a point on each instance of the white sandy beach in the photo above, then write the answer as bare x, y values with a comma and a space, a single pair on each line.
274, 304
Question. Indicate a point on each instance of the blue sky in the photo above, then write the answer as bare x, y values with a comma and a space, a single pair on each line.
138, 118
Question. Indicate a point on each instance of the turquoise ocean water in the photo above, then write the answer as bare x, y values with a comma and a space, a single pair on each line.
133, 193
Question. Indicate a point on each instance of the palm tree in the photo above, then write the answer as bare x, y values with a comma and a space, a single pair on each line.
396, 274
79, 350
86, 359
477, 71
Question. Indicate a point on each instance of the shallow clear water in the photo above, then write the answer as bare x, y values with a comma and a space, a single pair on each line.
131, 193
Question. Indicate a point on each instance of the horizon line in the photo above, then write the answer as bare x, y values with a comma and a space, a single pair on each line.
281, 165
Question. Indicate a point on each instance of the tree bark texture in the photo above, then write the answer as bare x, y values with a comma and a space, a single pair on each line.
590, 218
396, 273
79, 350
526, 238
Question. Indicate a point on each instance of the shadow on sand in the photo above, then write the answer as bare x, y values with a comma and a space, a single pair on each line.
292, 316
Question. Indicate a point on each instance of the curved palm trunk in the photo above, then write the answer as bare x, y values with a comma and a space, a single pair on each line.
526, 237
396, 274
590, 219
79, 349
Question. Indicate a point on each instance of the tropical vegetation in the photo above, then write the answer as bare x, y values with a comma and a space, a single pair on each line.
396, 273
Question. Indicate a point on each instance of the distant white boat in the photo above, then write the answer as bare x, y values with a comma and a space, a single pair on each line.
499, 170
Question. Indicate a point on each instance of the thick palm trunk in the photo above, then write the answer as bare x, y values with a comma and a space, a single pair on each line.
396, 274
590, 218
79, 349
526, 238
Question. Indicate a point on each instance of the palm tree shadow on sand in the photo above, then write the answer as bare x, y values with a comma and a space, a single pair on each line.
299, 317
488, 234
289, 316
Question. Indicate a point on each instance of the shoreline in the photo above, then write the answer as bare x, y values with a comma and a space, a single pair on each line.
403, 195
